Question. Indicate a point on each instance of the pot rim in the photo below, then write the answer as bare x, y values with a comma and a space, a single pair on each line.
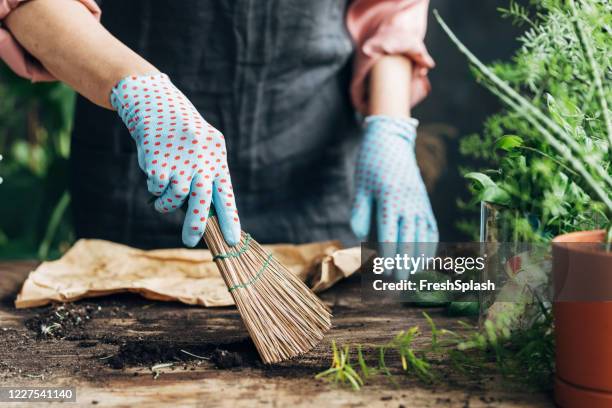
594, 236
585, 237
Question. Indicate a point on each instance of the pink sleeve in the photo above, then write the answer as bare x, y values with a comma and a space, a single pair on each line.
384, 27
16, 57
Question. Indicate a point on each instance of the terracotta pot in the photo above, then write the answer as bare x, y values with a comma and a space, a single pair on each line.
582, 276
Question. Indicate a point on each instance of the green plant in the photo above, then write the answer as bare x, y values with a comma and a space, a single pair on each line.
547, 156
524, 354
35, 142
365, 370
382, 364
341, 370
521, 355
403, 344
439, 337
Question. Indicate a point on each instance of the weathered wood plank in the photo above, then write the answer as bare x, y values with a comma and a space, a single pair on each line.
141, 332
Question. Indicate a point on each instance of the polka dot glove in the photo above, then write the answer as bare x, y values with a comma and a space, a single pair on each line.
388, 176
182, 156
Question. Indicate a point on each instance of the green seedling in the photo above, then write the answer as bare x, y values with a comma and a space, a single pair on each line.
525, 355
439, 337
382, 365
403, 344
341, 371
365, 370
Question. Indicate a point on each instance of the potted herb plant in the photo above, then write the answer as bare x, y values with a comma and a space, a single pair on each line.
555, 174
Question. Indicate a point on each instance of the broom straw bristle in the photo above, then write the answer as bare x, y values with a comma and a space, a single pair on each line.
282, 315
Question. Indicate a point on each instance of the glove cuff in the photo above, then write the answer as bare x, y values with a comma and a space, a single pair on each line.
402, 127
126, 96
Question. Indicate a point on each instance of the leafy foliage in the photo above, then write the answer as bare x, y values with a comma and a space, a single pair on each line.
403, 344
546, 159
522, 355
555, 72
341, 370
35, 142
550, 151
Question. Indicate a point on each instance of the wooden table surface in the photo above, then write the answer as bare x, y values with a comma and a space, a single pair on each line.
127, 323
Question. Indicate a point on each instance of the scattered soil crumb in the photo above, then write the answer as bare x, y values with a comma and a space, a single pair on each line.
142, 353
60, 320
226, 359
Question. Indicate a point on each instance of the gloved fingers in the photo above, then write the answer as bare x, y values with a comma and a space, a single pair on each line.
425, 231
197, 211
408, 228
174, 196
387, 221
422, 238
157, 180
141, 159
407, 232
423, 246
431, 235
225, 206
361, 214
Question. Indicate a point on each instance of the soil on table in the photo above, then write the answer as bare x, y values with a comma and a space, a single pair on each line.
69, 321
61, 320
147, 353
133, 349
84, 325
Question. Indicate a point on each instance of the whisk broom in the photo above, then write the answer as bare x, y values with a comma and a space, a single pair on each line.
282, 315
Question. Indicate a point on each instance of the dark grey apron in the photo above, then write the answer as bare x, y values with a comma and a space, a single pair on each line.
273, 76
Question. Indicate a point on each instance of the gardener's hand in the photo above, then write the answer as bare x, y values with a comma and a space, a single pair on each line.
388, 175
183, 156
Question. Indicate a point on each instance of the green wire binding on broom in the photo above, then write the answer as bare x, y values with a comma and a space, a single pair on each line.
272, 297
236, 254
254, 278
245, 247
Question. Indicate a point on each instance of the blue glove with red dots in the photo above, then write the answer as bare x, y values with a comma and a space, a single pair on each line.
183, 157
388, 177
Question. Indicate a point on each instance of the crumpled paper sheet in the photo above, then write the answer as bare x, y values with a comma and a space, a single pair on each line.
98, 268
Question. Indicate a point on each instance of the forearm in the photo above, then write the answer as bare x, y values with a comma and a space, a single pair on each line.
74, 47
389, 87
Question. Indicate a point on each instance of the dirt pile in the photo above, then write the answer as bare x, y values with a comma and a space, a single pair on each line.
150, 352
59, 321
